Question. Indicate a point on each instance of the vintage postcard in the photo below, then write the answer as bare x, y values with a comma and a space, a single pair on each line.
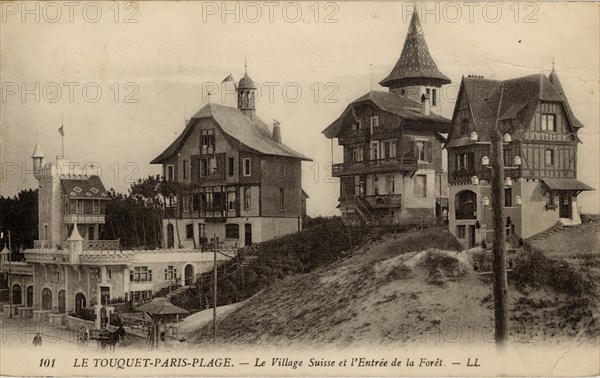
299, 188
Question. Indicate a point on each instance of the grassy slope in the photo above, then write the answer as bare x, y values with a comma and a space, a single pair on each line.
389, 293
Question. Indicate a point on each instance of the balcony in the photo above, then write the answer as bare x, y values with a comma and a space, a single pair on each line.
383, 201
375, 166
101, 245
17, 268
84, 218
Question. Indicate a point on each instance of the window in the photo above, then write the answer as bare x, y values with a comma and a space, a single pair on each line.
247, 167
281, 199
247, 198
374, 121
207, 142
420, 186
548, 122
376, 185
67, 205
189, 231
79, 206
170, 273
185, 199
170, 174
208, 166
508, 161
420, 150
434, 97
549, 157
232, 231
109, 273
389, 149
375, 150
195, 202
549, 199
391, 184
461, 231
231, 201
357, 154
140, 274
281, 169
507, 197
201, 231
230, 166
96, 206
465, 161
207, 201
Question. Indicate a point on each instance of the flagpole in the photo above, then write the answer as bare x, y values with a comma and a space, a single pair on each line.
62, 137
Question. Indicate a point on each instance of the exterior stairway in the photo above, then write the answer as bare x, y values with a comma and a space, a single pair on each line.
548, 232
177, 292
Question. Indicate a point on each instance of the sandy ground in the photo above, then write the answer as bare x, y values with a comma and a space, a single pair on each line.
396, 300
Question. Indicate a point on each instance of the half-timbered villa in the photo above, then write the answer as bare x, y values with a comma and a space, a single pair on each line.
540, 157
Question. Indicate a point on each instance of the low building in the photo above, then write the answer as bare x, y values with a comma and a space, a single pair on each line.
69, 268
540, 157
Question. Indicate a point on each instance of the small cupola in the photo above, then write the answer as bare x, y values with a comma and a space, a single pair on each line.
246, 93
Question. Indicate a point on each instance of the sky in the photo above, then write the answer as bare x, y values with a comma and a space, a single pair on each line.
123, 77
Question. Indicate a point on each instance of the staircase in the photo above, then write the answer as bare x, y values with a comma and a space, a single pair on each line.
177, 292
364, 209
544, 234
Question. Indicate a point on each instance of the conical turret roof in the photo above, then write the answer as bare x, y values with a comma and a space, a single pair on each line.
415, 66
37, 151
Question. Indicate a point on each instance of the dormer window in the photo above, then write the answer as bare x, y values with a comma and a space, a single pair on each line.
548, 122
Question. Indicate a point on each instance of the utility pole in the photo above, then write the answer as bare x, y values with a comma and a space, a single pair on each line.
499, 260
215, 292
10, 293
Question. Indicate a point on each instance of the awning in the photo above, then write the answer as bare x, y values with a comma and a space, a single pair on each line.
566, 184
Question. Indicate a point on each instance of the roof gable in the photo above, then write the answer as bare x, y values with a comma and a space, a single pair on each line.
234, 125
513, 100
401, 106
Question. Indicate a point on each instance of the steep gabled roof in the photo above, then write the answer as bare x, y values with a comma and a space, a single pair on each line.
84, 188
389, 102
553, 78
520, 97
235, 125
415, 65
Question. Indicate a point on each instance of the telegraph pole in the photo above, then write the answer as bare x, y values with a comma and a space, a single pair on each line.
10, 293
215, 292
499, 260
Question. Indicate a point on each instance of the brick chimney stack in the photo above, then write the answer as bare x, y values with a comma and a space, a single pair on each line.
276, 131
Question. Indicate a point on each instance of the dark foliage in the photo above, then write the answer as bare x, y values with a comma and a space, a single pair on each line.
320, 245
19, 215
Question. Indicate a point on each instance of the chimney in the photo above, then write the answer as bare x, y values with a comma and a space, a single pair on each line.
425, 104
276, 131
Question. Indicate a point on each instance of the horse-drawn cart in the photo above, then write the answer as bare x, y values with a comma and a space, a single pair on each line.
103, 337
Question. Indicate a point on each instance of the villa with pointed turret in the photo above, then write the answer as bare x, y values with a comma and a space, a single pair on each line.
392, 169
237, 180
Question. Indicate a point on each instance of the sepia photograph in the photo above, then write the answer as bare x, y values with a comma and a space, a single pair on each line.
299, 188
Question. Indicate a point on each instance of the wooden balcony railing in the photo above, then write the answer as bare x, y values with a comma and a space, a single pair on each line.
372, 166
